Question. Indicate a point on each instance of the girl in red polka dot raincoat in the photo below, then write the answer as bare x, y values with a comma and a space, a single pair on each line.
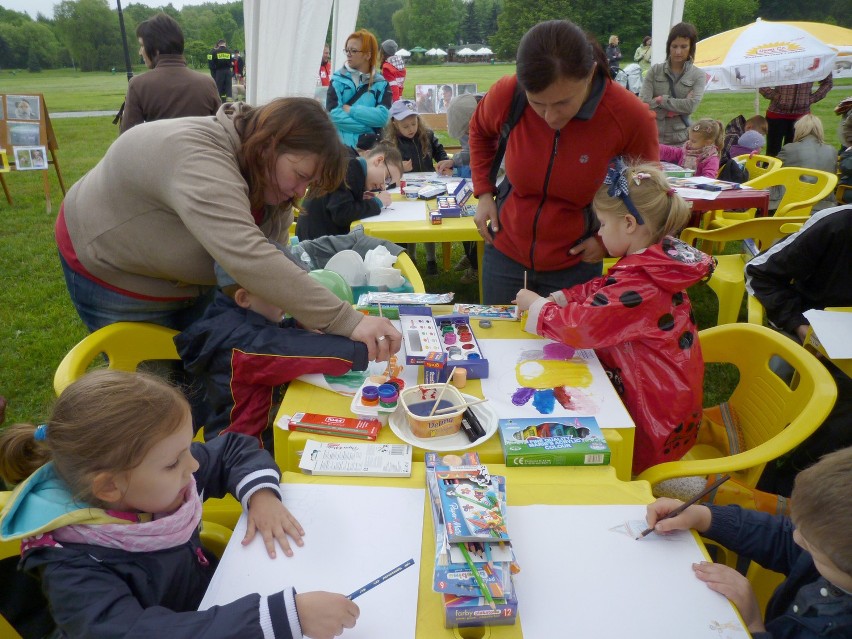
638, 317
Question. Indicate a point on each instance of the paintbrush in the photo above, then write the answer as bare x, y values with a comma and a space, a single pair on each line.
441, 394
687, 504
450, 409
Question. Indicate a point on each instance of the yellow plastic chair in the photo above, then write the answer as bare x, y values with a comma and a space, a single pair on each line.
772, 416
409, 271
125, 344
728, 279
802, 189
758, 165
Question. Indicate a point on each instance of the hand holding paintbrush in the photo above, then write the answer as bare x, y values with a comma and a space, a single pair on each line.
677, 511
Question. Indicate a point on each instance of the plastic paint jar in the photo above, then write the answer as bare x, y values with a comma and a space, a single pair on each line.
370, 395
459, 377
388, 396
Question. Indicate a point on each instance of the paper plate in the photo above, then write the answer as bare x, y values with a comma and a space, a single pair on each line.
350, 266
487, 417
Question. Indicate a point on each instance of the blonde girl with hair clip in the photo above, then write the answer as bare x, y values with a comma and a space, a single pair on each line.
638, 317
107, 506
701, 151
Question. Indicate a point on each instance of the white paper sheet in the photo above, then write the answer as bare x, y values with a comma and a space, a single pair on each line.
353, 534
833, 330
582, 571
401, 211
596, 397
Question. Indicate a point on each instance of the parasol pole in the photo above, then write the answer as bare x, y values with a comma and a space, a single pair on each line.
127, 65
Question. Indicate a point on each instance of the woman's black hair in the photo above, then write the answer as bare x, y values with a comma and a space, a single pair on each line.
683, 30
160, 34
557, 49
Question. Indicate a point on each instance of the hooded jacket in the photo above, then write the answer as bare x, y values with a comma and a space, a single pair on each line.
806, 605
639, 320
368, 114
99, 592
673, 112
393, 70
241, 358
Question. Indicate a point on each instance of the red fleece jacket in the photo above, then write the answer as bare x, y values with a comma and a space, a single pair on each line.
538, 228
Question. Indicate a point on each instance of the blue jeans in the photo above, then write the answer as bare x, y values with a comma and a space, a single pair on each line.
503, 277
98, 306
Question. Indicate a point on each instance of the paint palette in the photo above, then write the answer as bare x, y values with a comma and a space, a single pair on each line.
447, 334
487, 417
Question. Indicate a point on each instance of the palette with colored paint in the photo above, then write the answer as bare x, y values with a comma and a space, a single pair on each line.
448, 334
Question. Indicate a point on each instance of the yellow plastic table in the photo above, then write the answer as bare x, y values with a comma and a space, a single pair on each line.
461, 229
304, 397
525, 486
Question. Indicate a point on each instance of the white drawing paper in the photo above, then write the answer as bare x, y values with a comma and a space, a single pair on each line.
579, 574
832, 329
400, 211
353, 534
589, 391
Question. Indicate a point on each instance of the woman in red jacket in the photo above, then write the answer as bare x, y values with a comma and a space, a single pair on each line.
577, 119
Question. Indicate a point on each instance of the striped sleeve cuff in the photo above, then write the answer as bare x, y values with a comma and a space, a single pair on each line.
251, 483
279, 618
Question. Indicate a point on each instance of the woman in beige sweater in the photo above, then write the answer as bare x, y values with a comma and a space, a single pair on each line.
138, 234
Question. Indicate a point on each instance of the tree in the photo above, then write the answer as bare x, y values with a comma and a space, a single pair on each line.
376, 16
518, 16
432, 23
714, 16
89, 30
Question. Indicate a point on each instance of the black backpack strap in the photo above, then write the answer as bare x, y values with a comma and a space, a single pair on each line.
516, 110
361, 90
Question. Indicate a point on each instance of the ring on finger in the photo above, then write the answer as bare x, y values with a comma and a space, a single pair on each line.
380, 338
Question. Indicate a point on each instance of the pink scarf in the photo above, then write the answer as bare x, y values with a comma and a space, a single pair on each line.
692, 157
162, 531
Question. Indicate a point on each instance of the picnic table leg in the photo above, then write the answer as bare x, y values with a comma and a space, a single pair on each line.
6, 190
447, 250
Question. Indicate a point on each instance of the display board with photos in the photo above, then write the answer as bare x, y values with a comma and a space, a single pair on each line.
435, 98
27, 139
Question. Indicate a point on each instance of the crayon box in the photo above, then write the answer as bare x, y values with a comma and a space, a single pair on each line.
553, 441
474, 611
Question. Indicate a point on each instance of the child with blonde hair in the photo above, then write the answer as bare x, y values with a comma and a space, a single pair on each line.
638, 317
108, 505
811, 550
420, 149
701, 150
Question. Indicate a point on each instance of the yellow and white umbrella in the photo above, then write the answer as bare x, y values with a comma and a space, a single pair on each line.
766, 53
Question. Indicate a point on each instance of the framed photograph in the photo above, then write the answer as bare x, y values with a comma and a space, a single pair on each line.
23, 107
446, 93
23, 133
32, 158
426, 97
465, 88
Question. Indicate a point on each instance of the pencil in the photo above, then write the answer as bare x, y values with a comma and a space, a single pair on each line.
689, 503
485, 592
382, 579
488, 554
380, 310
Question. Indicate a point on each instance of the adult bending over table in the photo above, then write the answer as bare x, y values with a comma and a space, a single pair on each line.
138, 234
674, 88
538, 225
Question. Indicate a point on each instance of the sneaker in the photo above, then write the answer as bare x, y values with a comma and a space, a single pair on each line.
431, 267
470, 276
463, 264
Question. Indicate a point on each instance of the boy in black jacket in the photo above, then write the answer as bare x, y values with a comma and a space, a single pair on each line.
361, 195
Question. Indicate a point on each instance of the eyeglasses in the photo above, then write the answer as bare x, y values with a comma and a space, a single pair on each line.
352, 51
388, 179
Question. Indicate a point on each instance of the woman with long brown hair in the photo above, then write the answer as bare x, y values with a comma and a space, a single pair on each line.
138, 234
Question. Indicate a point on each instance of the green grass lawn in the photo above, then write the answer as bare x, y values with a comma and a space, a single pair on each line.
38, 325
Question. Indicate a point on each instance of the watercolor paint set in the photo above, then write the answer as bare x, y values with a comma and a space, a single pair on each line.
449, 335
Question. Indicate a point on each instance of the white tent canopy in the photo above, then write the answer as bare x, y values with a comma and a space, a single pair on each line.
466, 51
432, 51
440, 51
483, 51
403, 52
284, 41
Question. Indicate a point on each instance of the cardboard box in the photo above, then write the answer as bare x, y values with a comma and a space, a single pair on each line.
424, 335
433, 367
475, 611
553, 441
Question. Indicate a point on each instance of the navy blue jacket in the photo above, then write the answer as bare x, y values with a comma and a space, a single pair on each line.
101, 593
333, 213
805, 605
241, 358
